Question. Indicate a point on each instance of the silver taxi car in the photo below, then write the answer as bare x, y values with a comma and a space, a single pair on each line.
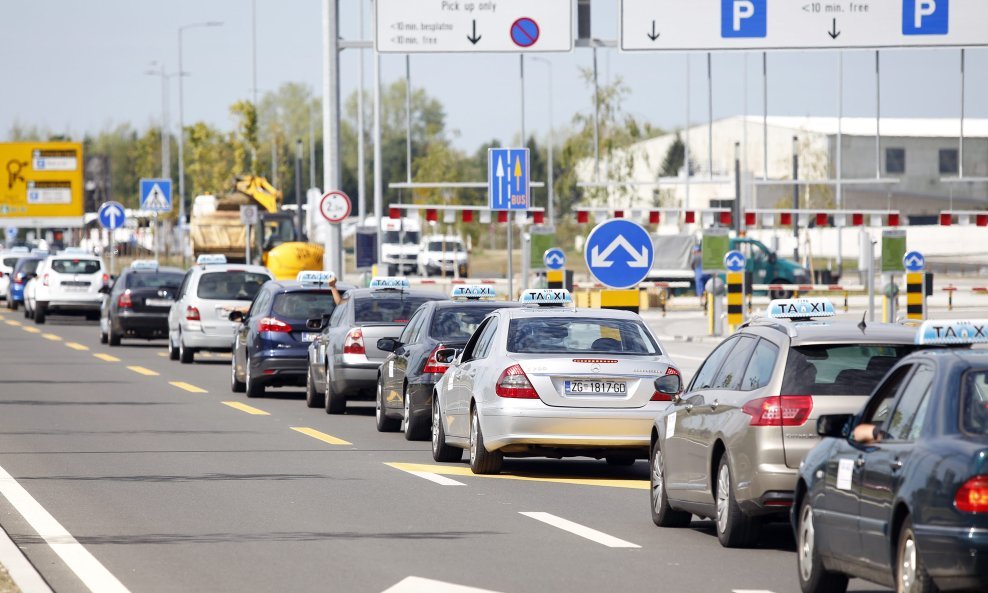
550, 380
199, 319
730, 446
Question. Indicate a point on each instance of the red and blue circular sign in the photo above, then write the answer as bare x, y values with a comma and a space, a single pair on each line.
525, 32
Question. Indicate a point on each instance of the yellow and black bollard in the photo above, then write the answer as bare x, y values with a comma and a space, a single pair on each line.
735, 300
916, 296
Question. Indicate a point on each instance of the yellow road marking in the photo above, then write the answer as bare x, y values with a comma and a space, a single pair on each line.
205, 355
246, 408
76, 346
106, 357
187, 387
51, 337
143, 371
452, 470
329, 439
13, 322
162, 354
31, 330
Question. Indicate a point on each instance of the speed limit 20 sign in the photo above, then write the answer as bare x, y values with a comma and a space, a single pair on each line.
335, 206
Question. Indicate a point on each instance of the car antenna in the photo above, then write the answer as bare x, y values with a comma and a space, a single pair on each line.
863, 326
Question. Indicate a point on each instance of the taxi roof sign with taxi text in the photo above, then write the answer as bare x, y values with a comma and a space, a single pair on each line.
801, 308
315, 277
211, 259
388, 282
473, 292
953, 333
547, 296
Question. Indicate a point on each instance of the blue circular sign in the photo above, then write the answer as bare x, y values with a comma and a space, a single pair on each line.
111, 215
554, 259
525, 32
619, 253
914, 261
11, 233
734, 261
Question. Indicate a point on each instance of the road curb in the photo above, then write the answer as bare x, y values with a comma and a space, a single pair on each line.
20, 569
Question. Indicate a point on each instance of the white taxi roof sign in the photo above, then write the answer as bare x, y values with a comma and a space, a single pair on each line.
211, 259
389, 282
952, 333
144, 264
315, 277
473, 292
546, 297
801, 308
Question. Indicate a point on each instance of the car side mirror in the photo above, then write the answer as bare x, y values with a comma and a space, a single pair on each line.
316, 323
388, 344
834, 425
236, 316
447, 356
773, 258
671, 385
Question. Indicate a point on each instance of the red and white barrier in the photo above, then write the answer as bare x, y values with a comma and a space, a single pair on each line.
963, 218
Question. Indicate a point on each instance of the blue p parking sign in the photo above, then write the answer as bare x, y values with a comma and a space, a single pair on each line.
925, 17
743, 18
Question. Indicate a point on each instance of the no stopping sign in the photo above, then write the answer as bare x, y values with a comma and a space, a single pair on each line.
335, 206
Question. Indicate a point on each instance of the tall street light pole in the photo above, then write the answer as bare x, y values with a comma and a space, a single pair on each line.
551, 140
166, 152
181, 133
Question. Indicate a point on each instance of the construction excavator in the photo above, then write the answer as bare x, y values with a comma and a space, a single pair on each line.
216, 228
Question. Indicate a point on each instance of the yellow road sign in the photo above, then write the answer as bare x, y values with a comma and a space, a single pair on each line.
41, 184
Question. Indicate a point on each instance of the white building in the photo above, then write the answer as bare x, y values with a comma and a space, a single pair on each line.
917, 158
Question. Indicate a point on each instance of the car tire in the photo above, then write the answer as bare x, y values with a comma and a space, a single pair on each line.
313, 399
335, 402
780, 294
911, 575
813, 577
236, 385
172, 350
185, 355
440, 450
663, 514
619, 460
92, 316
415, 428
114, 338
253, 388
103, 338
482, 461
12, 304
27, 313
734, 528
40, 312
384, 424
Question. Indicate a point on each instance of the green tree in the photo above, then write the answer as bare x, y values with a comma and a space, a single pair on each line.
245, 137
209, 165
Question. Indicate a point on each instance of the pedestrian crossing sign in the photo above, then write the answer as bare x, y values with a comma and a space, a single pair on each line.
156, 195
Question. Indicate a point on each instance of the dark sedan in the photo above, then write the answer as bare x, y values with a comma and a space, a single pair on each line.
899, 494
408, 376
136, 305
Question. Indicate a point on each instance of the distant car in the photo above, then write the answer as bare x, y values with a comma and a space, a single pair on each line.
68, 285
899, 494
199, 319
8, 259
137, 304
24, 270
271, 343
443, 255
551, 380
729, 448
409, 375
344, 358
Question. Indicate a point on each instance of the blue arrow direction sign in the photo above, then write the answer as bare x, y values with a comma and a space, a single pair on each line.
914, 261
554, 259
619, 253
111, 215
156, 195
734, 261
508, 179
11, 233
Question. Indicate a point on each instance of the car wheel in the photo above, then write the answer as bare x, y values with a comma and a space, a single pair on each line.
910, 570
663, 514
172, 350
27, 313
312, 398
12, 304
114, 338
188, 356
236, 385
253, 387
335, 402
482, 461
415, 429
619, 460
813, 577
384, 424
103, 338
780, 294
440, 450
734, 528
39, 313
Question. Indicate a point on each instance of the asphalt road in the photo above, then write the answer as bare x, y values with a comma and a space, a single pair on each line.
145, 464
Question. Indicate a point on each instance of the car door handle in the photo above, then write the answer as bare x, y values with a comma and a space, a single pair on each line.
689, 407
714, 405
896, 464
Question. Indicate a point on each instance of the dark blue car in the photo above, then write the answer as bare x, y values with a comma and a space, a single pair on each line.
898, 495
25, 269
270, 347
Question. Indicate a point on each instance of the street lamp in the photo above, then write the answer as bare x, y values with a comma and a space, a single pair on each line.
181, 132
166, 165
551, 173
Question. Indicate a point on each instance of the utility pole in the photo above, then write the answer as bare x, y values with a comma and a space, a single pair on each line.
795, 197
300, 215
333, 259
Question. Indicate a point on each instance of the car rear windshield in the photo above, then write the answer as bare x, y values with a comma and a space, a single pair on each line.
230, 285
386, 308
29, 266
10, 262
450, 246
974, 408
839, 369
154, 280
76, 266
395, 237
452, 325
567, 335
304, 305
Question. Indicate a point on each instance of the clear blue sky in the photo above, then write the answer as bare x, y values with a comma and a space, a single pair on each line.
79, 67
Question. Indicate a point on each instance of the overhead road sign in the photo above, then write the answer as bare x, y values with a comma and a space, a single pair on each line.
619, 253
508, 179
457, 26
41, 184
111, 215
688, 25
335, 207
554, 259
156, 195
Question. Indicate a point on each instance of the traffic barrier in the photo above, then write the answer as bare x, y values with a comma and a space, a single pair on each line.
735, 299
951, 289
796, 289
651, 295
916, 296
620, 300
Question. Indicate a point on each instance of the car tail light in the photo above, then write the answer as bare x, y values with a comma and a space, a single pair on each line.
972, 497
44, 280
433, 366
192, 314
271, 324
779, 410
514, 384
19, 278
124, 301
662, 397
106, 278
354, 343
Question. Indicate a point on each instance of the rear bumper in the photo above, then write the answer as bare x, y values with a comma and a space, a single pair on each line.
356, 380
956, 557
195, 337
769, 491
153, 324
67, 305
279, 370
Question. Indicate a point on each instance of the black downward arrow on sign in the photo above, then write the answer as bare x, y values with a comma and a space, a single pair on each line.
474, 38
834, 33
653, 35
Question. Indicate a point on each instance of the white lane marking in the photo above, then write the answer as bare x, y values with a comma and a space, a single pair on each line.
420, 585
581, 530
89, 570
751, 591
20, 569
438, 479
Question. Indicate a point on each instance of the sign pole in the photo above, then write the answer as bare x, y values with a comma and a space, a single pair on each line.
511, 271
113, 249
247, 243
156, 253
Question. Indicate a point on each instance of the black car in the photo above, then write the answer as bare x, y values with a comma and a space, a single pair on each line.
136, 305
271, 344
408, 376
899, 494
